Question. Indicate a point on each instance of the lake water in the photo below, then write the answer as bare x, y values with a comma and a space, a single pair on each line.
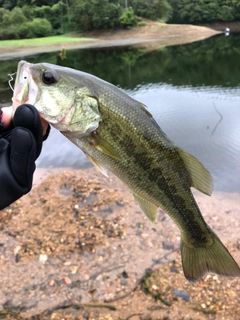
192, 90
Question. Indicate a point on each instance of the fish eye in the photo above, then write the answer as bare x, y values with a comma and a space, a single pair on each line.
48, 78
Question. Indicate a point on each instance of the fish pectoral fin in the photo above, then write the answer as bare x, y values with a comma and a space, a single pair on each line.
201, 178
97, 165
103, 146
147, 207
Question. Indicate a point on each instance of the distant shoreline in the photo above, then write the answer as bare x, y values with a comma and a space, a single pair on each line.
220, 26
153, 35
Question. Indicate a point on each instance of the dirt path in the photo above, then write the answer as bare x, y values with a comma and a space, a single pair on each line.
154, 34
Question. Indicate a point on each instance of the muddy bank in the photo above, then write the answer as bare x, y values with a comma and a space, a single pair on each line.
154, 32
79, 247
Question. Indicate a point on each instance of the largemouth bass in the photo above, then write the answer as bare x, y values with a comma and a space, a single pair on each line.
117, 133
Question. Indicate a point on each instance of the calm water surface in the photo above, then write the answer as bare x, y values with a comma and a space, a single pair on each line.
192, 90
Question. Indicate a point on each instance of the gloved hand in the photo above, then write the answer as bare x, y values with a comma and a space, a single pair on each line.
20, 146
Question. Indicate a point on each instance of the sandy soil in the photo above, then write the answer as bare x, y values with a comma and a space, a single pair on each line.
78, 247
153, 35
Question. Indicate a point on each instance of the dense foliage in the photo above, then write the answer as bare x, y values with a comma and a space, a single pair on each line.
200, 11
153, 10
37, 18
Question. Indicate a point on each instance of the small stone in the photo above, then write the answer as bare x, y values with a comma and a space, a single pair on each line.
124, 274
174, 269
99, 278
74, 269
144, 235
123, 282
167, 245
154, 287
16, 250
120, 203
17, 258
43, 258
181, 294
67, 280
203, 305
51, 283
86, 277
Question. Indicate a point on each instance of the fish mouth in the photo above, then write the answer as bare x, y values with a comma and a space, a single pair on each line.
25, 89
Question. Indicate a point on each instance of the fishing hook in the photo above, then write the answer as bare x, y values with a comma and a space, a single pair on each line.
11, 79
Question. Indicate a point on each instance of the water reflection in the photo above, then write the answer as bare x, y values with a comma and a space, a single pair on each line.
206, 124
192, 91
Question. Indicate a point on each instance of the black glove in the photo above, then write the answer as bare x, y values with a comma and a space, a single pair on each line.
20, 146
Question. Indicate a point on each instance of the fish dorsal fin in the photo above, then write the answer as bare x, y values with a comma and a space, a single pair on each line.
103, 146
147, 207
201, 178
144, 108
148, 113
97, 164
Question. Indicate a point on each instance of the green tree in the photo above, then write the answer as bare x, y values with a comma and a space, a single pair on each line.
3, 12
95, 14
8, 4
236, 9
152, 9
225, 10
225, 13
39, 27
198, 11
14, 17
28, 12
128, 18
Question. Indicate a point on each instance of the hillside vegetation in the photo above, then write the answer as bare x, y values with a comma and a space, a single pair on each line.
21, 19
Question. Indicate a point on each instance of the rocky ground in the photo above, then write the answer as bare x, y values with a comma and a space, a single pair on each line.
78, 247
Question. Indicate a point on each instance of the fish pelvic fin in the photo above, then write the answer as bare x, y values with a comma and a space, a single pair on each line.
197, 261
97, 164
201, 178
149, 208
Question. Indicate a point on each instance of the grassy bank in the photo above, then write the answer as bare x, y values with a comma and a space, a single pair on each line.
39, 42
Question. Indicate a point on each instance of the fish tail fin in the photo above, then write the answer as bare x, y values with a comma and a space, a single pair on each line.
198, 260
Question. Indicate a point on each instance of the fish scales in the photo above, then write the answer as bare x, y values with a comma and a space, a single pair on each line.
149, 171
117, 133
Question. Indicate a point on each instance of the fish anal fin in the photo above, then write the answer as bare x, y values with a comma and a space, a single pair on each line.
197, 261
97, 165
201, 178
147, 207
